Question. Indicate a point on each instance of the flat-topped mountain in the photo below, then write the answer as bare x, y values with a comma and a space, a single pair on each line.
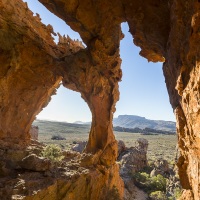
134, 121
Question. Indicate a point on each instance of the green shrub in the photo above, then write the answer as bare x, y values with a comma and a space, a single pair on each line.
147, 169
141, 177
157, 195
177, 193
53, 152
150, 184
158, 183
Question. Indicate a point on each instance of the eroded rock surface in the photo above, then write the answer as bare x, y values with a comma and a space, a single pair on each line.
32, 67
28, 73
25, 175
132, 160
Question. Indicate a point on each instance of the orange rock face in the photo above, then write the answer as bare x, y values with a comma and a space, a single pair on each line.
28, 74
32, 67
181, 71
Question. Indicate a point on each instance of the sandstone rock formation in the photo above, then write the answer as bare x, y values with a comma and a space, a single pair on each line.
132, 160
32, 67
34, 132
25, 175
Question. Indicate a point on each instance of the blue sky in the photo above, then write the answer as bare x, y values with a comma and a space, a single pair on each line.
142, 90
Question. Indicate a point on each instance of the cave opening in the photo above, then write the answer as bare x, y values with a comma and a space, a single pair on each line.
67, 114
144, 116
65, 121
143, 95
144, 103
142, 90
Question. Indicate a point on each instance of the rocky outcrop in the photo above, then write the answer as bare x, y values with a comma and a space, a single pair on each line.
79, 146
34, 163
33, 66
25, 175
132, 160
121, 147
34, 132
160, 167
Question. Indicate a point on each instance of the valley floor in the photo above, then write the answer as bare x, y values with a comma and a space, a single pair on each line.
160, 146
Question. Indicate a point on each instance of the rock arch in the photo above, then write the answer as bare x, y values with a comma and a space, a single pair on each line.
32, 65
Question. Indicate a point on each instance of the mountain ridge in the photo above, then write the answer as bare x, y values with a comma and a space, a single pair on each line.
134, 121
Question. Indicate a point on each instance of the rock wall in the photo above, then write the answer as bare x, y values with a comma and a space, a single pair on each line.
28, 77
32, 67
181, 71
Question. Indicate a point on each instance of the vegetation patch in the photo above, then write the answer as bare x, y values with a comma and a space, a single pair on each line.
58, 137
53, 152
150, 184
158, 195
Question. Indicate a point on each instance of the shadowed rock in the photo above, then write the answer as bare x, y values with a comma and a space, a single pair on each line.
132, 160
33, 66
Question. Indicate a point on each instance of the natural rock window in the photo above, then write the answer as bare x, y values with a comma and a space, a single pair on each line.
66, 106
142, 89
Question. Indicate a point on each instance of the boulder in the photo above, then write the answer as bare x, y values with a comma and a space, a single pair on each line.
142, 144
133, 159
35, 163
79, 146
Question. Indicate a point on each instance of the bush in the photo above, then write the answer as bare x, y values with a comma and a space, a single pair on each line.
141, 177
53, 152
157, 195
150, 184
147, 169
177, 193
57, 137
158, 183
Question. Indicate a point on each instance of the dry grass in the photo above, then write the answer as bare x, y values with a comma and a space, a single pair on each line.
160, 146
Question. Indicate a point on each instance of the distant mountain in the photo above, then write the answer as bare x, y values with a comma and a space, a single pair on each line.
134, 121
146, 131
80, 122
